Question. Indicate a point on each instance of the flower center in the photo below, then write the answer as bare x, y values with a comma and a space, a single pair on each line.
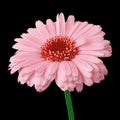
59, 49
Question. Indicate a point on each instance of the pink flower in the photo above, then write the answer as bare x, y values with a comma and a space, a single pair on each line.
67, 52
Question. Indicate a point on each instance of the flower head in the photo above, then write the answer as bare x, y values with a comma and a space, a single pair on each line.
67, 52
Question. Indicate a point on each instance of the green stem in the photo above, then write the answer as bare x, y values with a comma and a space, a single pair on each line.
69, 105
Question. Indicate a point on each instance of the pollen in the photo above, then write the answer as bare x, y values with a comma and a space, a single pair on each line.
59, 49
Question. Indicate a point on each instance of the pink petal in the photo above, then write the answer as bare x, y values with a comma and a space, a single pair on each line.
40, 82
94, 66
65, 68
69, 23
32, 38
96, 29
70, 86
22, 78
25, 48
61, 78
60, 81
80, 42
57, 25
93, 53
33, 79
79, 87
96, 37
25, 56
42, 88
84, 70
103, 69
75, 76
93, 46
89, 58
30, 81
97, 77
83, 27
43, 32
73, 69
42, 66
38, 35
51, 70
106, 42
50, 25
28, 43
39, 67
82, 63
78, 79
88, 81
69, 78
107, 51
13, 70
26, 63
62, 24
74, 28
34, 33
85, 74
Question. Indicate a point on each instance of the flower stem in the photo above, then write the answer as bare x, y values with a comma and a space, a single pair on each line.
69, 105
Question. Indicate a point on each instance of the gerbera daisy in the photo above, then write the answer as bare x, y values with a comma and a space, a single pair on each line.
65, 51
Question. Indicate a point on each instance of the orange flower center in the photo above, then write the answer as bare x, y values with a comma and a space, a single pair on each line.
59, 49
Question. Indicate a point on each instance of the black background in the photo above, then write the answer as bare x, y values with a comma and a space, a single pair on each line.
20, 101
